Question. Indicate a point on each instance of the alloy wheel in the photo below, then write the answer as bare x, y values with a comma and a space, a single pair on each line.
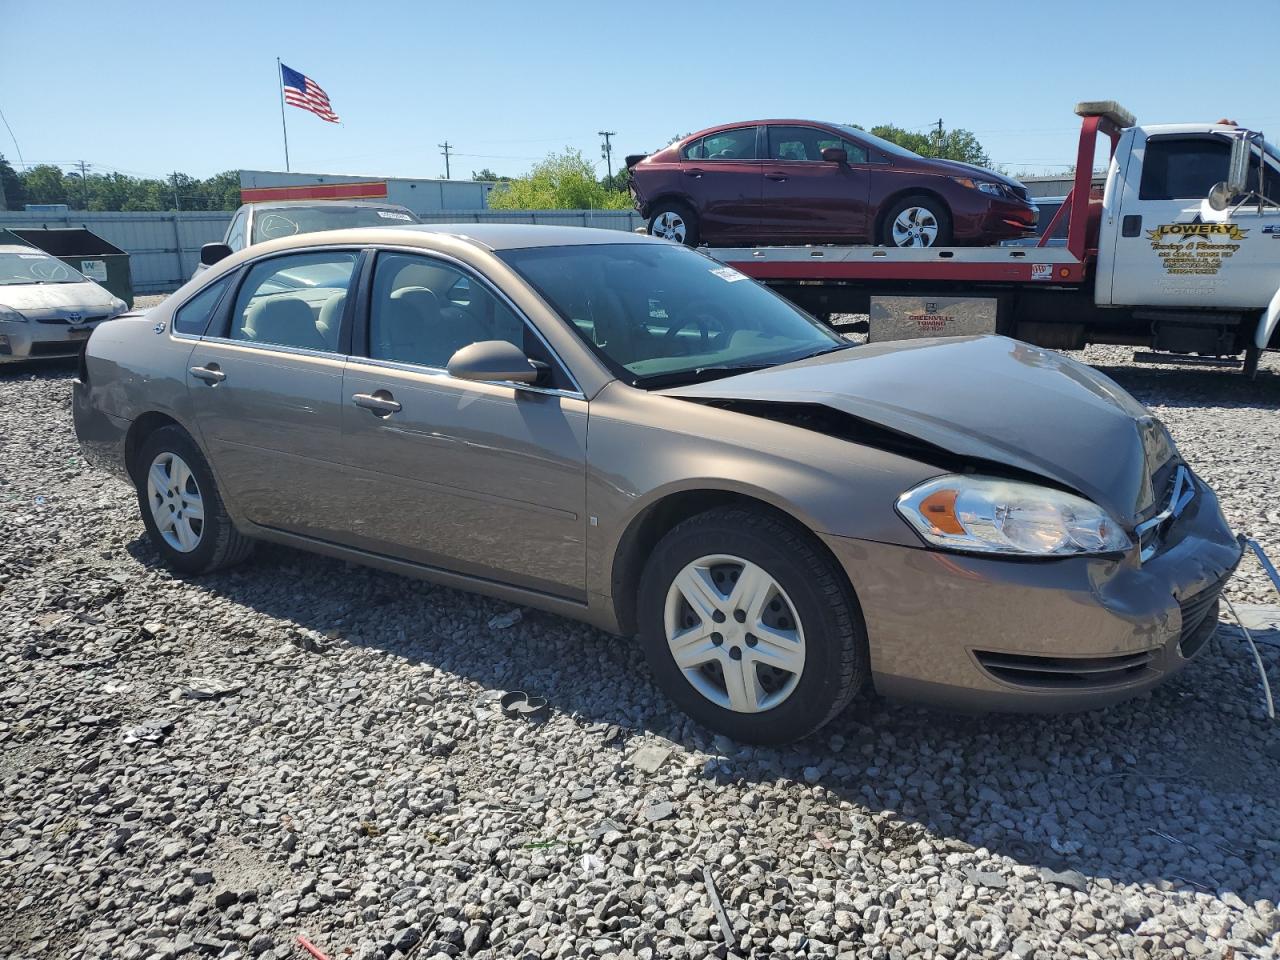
915, 227
734, 633
176, 504
669, 225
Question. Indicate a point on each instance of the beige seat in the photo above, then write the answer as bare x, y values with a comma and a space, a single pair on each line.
283, 320
330, 321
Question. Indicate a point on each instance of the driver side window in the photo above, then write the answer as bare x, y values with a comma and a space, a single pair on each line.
235, 234
423, 311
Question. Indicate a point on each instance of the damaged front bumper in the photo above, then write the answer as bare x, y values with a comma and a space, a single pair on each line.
976, 633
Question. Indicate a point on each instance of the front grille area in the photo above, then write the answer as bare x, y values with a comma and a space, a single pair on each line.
55, 348
1066, 673
1199, 618
63, 320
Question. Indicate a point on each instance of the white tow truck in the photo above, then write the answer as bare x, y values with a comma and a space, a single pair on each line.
1179, 254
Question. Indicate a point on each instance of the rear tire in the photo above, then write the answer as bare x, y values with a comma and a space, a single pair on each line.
808, 620
917, 221
673, 220
175, 485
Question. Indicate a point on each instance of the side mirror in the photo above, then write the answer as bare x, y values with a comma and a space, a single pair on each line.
212, 253
1220, 196
1238, 165
493, 361
835, 155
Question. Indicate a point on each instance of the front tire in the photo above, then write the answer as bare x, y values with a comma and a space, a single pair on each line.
181, 507
750, 627
917, 221
672, 220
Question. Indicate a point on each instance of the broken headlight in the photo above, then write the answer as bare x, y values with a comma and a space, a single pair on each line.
989, 515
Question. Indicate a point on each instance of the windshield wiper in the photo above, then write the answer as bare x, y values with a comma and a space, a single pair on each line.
697, 375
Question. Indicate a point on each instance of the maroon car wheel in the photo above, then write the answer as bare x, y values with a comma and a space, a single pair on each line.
917, 221
674, 221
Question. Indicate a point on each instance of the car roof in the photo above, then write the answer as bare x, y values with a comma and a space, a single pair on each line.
491, 236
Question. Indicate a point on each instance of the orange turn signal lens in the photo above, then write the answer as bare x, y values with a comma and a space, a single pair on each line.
939, 509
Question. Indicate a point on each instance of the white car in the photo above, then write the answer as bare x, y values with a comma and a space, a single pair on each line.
47, 309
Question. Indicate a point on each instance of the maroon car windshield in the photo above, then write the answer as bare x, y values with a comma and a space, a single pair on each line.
660, 314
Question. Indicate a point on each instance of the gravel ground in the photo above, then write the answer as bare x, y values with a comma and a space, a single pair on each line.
212, 767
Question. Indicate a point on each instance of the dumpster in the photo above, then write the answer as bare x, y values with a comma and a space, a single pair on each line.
82, 249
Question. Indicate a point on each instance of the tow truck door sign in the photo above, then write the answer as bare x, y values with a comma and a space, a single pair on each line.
1183, 253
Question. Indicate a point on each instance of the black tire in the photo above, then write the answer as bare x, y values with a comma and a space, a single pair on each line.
836, 662
220, 544
681, 212
1251, 357
936, 208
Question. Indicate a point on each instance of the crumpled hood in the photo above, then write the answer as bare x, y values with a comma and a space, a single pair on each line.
986, 398
56, 298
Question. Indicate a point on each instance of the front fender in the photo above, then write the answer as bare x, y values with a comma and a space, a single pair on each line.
1267, 325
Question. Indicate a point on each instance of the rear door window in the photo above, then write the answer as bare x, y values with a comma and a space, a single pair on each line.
1183, 168
739, 144
295, 301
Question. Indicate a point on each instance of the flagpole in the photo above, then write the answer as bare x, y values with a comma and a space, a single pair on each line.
284, 127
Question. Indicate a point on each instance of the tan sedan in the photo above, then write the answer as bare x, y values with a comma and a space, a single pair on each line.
618, 429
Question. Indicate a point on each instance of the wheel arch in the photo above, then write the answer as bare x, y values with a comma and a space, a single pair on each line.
893, 199
657, 518
669, 196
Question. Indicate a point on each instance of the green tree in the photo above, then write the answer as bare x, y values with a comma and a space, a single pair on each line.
958, 144
15, 194
488, 176
563, 181
44, 183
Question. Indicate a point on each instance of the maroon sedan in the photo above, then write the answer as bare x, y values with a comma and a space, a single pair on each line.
796, 181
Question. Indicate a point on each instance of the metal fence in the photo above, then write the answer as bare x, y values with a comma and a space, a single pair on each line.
164, 247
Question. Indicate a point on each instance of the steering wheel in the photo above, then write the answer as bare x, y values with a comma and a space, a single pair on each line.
706, 314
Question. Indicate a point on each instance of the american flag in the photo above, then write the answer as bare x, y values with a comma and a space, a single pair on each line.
302, 91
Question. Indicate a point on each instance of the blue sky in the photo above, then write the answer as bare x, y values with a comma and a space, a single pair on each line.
147, 88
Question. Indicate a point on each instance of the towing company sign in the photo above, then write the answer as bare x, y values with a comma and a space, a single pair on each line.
1196, 249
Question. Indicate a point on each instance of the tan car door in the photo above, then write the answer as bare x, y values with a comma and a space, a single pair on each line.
486, 479
266, 388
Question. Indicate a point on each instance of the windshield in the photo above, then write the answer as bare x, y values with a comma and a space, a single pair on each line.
35, 267
271, 224
660, 314
877, 142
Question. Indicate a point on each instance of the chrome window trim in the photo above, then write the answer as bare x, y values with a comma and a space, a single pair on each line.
503, 298
404, 367
1184, 491
275, 348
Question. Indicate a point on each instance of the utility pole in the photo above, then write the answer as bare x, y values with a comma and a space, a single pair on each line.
606, 151
84, 183
939, 128
445, 148
177, 204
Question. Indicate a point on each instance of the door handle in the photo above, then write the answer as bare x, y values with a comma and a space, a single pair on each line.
209, 374
695, 173
780, 177
380, 404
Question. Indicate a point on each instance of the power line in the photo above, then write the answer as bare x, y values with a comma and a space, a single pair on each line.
13, 138
445, 148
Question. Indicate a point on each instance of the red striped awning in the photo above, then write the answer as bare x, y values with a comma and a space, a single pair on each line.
371, 190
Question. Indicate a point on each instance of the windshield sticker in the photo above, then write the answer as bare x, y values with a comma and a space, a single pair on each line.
728, 274
1196, 249
392, 215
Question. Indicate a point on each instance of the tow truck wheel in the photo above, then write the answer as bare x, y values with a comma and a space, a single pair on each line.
672, 220
917, 221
